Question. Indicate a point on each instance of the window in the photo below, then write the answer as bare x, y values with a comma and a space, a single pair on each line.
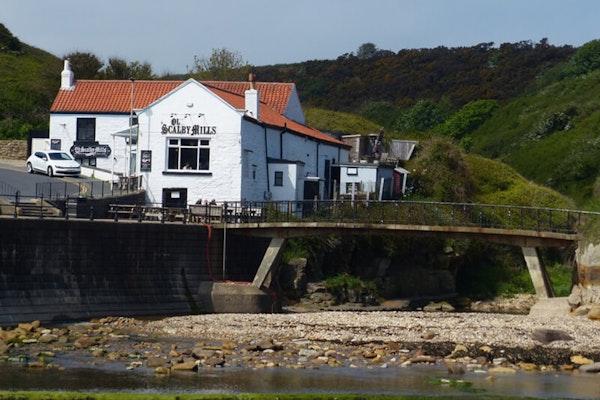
352, 171
278, 178
86, 129
188, 154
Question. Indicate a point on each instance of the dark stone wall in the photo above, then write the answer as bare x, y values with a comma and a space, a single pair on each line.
58, 270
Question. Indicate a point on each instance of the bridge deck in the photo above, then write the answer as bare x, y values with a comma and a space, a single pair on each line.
516, 237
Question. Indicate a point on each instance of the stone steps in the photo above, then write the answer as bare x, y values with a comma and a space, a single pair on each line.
35, 210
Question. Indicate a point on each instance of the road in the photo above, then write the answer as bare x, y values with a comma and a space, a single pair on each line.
13, 177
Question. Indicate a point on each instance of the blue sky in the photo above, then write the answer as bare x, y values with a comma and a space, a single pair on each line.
168, 34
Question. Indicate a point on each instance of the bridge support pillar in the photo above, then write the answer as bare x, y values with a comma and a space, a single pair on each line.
539, 276
270, 259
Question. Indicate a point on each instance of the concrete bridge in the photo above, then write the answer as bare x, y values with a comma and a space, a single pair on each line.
527, 227
97, 258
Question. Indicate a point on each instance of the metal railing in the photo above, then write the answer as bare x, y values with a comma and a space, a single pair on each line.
409, 213
347, 211
85, 188
91, 188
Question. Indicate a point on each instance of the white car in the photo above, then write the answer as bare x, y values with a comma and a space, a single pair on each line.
53, 163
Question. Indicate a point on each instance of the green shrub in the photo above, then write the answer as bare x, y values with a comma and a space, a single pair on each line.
347, 288
561, 277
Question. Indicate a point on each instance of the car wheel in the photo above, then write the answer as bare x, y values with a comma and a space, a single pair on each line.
50, 171
30, 168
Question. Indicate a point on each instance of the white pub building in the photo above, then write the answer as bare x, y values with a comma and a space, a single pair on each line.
186, 140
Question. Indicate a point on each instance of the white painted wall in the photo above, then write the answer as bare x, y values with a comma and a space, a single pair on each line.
64, 127
365, 178
292, 173
293, 109
193, 104
253, 162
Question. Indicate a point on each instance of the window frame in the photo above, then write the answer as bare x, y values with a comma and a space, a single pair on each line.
85, 126
182, 151
278, 179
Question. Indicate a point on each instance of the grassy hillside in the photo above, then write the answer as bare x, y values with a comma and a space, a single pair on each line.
550, 136
339, 122
30, 79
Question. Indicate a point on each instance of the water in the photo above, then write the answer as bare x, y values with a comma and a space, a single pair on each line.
412, 380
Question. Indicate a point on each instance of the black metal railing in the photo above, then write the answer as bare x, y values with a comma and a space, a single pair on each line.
344, 211
409, 213
88, 188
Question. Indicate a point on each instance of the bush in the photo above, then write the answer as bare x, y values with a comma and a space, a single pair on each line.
346, 288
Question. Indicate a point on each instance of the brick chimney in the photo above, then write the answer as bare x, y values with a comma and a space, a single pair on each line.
252, 99
67, 77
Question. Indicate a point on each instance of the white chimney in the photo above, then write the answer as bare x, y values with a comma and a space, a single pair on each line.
252, 100
67, 77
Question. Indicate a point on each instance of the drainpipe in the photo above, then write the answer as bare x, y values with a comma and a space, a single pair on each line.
281, 141
267, 160
318, 145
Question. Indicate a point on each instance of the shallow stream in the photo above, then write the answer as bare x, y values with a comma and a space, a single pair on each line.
428, 380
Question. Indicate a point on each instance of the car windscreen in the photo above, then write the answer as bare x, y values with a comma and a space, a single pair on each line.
59, 156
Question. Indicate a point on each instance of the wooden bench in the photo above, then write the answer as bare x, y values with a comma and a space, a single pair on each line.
128, 211
153, 213
206, 213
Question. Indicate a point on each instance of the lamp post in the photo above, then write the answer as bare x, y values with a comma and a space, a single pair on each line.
130, 130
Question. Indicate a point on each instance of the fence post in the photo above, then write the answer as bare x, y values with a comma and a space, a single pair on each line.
16, 203
41, 206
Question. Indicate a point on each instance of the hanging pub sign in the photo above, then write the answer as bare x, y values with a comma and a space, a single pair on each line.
146, 161
90, 150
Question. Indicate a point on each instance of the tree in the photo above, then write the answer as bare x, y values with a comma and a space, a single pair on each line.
85, 65
8, 42
118, 68
468, 118
222, 65
366, 51
587, 57
441, 172
421, 117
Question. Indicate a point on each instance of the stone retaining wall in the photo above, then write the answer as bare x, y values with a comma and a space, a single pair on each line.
56, 270
13, 149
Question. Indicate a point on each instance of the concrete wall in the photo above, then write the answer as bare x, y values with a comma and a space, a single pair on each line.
55, 270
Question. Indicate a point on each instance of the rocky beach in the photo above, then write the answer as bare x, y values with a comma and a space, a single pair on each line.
489, 343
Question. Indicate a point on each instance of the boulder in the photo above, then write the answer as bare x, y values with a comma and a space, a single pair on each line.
546, 336
292, 278
591, 368
442, 306
575, 299
84, 342
190, 365
594, 313
581, 360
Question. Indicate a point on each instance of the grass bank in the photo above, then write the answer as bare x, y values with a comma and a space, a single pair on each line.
255, 396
